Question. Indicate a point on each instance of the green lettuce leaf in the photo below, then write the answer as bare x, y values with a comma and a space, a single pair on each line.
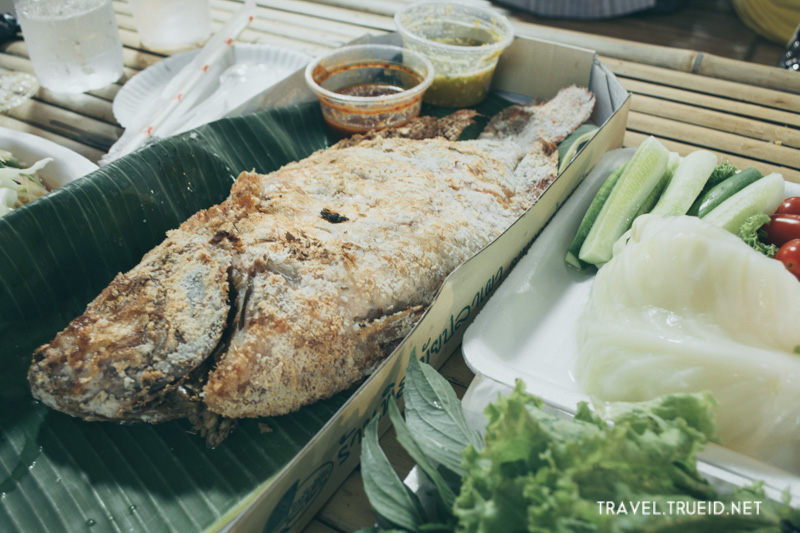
722, 171
752, 234
539, 472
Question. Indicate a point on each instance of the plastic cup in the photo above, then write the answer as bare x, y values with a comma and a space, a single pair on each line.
462, 41
73, 45
366, 87
169, 26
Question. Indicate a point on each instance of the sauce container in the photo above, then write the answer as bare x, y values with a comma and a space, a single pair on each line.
366, 87
462, 41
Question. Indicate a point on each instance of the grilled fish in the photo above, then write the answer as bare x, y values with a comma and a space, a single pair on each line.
298, 284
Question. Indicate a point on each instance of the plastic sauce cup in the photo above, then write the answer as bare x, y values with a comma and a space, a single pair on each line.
463, 42
366, 87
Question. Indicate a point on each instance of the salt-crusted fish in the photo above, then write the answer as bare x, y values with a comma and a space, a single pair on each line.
300, 282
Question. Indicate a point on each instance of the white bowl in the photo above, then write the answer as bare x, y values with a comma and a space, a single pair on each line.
66, 165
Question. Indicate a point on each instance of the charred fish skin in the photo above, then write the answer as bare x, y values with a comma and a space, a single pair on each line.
140, 337
304, 278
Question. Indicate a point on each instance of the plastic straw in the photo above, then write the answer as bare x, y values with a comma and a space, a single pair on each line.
168, 107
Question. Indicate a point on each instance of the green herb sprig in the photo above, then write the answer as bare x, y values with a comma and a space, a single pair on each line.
540, 472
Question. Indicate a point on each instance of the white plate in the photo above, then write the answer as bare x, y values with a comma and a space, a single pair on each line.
528, 328
28, 149
148, 84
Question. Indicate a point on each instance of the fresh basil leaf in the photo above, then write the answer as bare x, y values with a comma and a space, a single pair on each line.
434, 527
434, 416
390, 498
409, 443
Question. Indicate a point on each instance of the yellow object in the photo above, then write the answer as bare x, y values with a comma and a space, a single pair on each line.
774, 19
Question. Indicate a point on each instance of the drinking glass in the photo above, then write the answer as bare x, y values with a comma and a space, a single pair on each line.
169, 26
74, 45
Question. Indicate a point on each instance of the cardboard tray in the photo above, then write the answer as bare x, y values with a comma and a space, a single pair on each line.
527, 69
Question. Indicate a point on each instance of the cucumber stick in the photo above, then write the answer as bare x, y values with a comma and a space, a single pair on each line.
590, 216
724, 190
573, 143
686, 184
762, 196
652, 198
644, 170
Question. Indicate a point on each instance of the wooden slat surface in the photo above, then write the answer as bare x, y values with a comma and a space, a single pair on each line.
777, 134
693, 95
757, 113
706, 85
750, 111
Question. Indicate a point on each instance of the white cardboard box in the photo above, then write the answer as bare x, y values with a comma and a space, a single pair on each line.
528, 68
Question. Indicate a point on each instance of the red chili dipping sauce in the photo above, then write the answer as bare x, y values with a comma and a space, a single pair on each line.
384, 80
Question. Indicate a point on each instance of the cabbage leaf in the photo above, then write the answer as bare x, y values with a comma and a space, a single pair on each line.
687, 307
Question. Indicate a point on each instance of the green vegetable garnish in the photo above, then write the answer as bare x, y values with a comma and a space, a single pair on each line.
590, 216
539, 472
754, 236
19, 186
641, 175
722, 171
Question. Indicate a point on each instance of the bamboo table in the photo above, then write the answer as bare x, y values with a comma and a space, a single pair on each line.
746, 113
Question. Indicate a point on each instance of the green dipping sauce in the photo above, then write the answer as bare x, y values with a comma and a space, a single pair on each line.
459, 41
459, 91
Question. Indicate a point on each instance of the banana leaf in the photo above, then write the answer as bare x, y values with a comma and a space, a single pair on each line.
59, 473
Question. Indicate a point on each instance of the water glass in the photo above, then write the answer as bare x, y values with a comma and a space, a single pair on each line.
74, 45
169, 26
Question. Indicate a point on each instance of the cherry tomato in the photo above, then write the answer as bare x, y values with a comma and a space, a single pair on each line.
790, 206
789, 255
782, 228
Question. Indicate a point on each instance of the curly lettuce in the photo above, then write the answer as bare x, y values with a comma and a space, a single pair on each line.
542, 473
752, 234
722, 171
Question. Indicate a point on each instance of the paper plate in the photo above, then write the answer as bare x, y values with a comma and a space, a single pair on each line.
148, 84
